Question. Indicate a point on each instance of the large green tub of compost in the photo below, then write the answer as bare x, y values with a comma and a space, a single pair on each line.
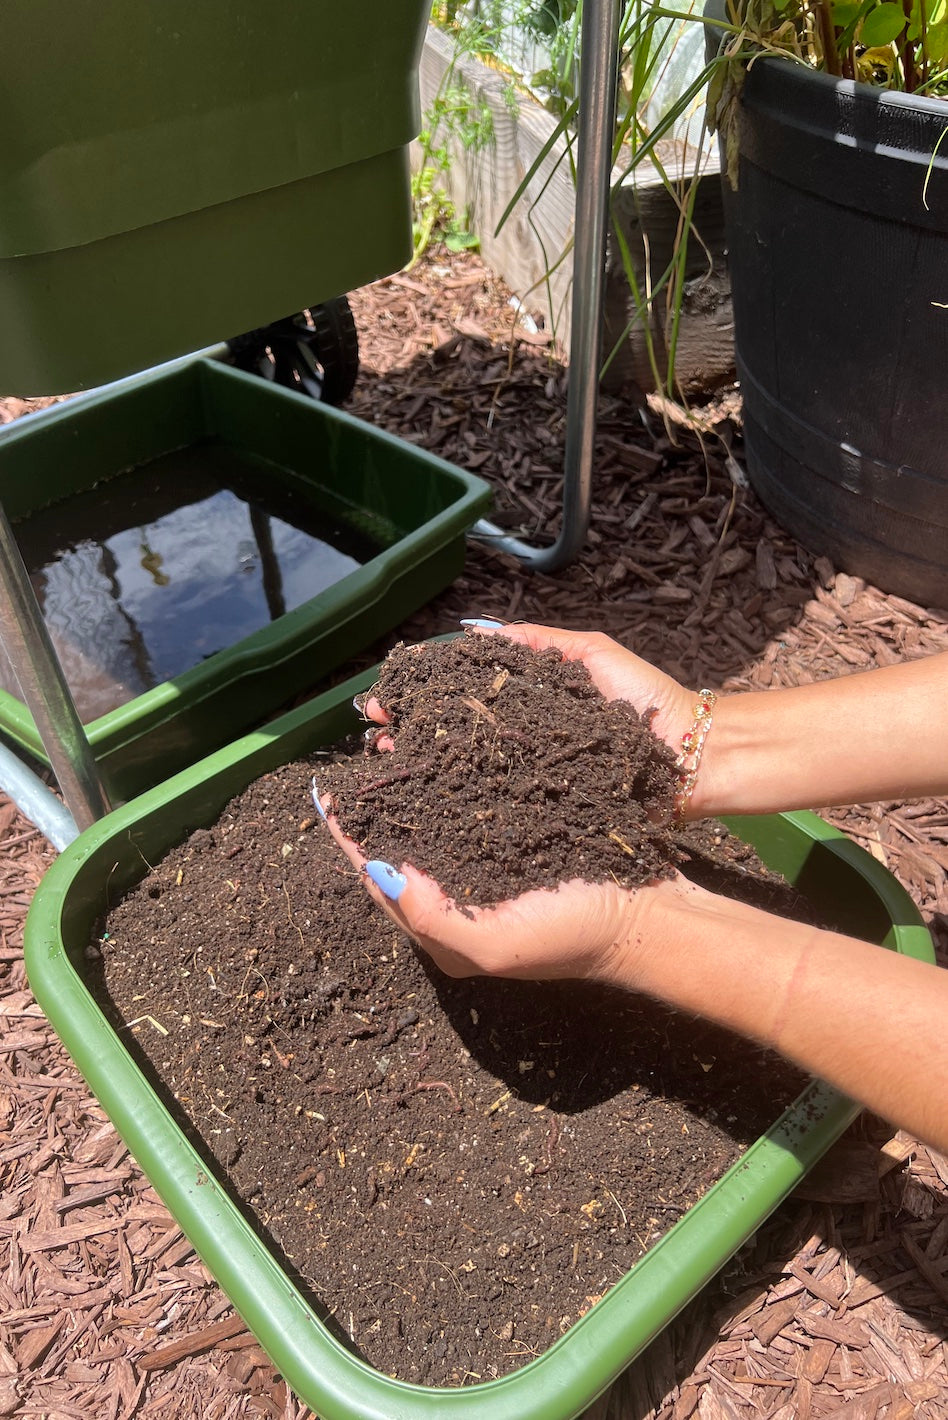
176, 174
110, 857
205, 545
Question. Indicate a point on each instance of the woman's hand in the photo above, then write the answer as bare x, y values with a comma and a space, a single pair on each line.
579, 930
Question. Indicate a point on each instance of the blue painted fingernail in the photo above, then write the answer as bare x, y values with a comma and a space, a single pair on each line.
386, 878
319, 808
486, 621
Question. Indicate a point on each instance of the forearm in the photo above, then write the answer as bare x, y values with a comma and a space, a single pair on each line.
780, 983
858, 739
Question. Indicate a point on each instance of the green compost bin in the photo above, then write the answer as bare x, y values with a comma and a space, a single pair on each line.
412, 510
175, 174
839, 877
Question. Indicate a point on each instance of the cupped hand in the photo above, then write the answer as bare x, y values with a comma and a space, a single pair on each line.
578, 930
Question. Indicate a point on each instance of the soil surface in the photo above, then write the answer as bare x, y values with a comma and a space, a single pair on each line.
457, 1170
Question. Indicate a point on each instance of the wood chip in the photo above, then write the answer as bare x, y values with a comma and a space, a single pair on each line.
198, 1341
36, 1343
817, 1360
772, 1320
843, 1333
935, 1279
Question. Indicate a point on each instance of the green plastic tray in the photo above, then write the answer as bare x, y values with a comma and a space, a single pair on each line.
425, 505
560, 1383
192, 171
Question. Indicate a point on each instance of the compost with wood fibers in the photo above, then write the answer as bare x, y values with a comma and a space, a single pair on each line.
455, 1170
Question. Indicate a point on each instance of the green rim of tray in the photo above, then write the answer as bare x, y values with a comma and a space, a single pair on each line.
564, 1380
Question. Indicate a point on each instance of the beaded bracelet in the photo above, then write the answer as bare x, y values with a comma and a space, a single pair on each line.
692, 746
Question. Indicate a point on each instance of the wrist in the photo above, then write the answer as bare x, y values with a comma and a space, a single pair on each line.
673, 712
691, 752
701, 954
654, 928
739, 763
705, 797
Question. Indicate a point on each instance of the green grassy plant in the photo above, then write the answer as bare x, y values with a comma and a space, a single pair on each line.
455, 118
648, 34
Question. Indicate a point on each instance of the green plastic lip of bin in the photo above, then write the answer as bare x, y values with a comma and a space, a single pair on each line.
79, 444
176, 174
564, 1380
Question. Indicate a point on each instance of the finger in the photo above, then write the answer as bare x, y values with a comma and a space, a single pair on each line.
348, 845
374, 711
326, 808
367, 705
487, 624
423, 912
413, 901
460, 942
384, 899
378, 739
389, 887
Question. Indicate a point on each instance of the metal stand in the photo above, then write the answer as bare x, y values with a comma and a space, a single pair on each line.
26, 641
597, 113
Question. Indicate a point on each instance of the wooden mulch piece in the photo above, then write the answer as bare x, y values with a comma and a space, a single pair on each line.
12, 408
838, 1307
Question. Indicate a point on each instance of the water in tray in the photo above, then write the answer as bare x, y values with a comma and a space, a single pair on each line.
156, 569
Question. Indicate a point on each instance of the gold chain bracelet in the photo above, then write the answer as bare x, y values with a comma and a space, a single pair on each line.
692, 747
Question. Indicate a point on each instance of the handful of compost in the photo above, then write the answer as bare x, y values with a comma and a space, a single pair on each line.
504, 769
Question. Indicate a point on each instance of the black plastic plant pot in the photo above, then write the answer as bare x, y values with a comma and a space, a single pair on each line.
560, 1383
194, 174
837, 247
403, 511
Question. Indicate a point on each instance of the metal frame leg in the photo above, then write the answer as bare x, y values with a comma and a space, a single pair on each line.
597, 114
47, 696
26, 641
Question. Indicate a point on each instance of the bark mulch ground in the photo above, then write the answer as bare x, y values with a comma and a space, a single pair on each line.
839, 1306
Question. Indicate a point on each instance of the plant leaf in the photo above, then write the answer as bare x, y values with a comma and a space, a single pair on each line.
844, 14
883, 25
461, 241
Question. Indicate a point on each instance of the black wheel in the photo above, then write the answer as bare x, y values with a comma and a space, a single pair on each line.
315, 351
